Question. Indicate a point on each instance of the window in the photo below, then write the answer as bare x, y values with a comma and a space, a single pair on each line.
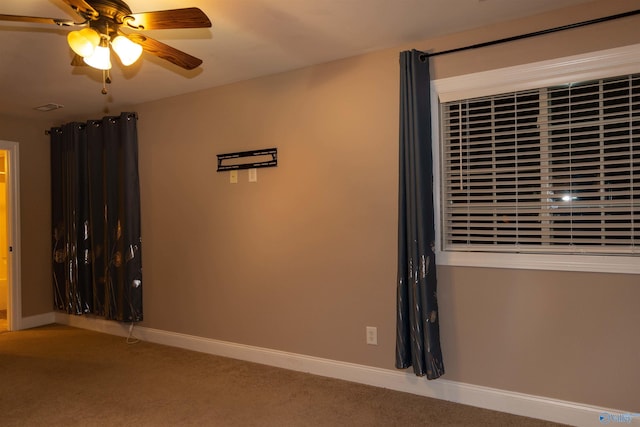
553, 169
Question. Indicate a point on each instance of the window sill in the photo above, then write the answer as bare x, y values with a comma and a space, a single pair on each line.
582, 263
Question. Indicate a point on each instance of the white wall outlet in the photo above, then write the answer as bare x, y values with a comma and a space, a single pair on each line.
372, 335
233, 177
253, 175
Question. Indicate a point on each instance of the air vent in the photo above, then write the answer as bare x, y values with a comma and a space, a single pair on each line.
49, 107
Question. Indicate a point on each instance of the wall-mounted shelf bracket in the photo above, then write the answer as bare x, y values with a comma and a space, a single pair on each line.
248, 159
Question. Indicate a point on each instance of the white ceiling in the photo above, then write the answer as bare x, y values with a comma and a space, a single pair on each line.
249, 38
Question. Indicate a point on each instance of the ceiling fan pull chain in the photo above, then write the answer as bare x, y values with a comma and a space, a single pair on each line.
105, 79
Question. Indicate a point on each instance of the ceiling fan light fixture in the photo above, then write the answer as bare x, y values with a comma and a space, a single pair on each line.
83, 42
127, 51
100, 33
101, 58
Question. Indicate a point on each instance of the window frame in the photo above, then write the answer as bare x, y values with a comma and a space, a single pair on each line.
590, 66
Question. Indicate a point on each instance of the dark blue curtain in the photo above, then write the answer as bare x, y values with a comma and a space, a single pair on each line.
95, 211
418, 330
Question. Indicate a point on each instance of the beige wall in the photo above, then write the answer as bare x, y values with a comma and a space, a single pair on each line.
305, 258
35, 211
568, 336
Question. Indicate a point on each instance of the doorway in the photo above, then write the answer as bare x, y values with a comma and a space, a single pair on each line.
10, 293
4, 243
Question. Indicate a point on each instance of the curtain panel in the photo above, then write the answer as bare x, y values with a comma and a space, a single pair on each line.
95, 211
418, 330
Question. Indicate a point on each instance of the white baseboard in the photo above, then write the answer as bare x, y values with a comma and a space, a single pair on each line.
35, 321
544, 408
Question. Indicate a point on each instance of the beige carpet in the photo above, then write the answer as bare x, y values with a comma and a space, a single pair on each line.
62, 376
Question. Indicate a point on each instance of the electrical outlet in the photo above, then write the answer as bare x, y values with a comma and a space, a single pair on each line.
253, 175
372, 335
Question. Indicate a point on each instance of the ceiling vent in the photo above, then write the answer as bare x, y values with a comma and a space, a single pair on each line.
49, 107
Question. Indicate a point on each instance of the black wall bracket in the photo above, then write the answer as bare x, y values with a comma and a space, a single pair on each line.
232, 161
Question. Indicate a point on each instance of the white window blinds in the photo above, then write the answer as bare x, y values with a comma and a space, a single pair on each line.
555, 169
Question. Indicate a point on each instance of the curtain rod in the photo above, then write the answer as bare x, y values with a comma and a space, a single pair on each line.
94, 121
534, 34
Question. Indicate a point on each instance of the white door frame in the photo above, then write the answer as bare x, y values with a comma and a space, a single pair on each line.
14, 301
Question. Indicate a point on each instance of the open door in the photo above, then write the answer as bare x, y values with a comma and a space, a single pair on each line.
4, 243
10, 295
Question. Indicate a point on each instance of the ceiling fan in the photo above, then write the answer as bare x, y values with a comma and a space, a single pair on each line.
103, 21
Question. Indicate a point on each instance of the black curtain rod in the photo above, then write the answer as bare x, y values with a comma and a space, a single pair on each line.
536, 33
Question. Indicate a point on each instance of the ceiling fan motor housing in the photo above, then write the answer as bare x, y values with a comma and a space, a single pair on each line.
111, 14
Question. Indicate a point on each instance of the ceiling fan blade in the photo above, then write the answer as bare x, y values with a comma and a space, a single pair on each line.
36, 20
190, 17
82, 8
166, 52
